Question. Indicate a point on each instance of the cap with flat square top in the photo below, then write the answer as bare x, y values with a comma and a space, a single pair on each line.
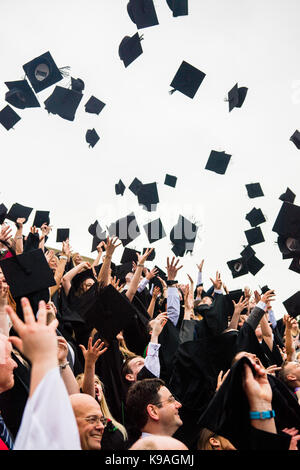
289, 247
187, 79
238, 267
247, 252
129, 255
292, 304
21, 95
3, 212
126, 229
295, 265
178, 7
287, 223
183, 235
255, 217
120, 188
130, 49
94, 105
254, 265
295, 138
95, 228
42, 72
64, 102
170, 180
62, 234
148, 196
154, 230
218, 162
254, 236
91, 137
8, 117
254, 190
142, 13
98, 238
236, 97
40, 218
135, 186
18, 211
27, 273
288, 196
264, 289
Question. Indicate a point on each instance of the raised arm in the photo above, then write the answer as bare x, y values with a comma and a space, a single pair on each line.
19, 236
67, 278
45, 229
4, 325
173, 300
200, 278
137, 275
61, 265
91, 355
99, 254
238, 308
104, 273
65, 370
289, 345
151, 307
259, 310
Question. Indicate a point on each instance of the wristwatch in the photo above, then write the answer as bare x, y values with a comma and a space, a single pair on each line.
262, 414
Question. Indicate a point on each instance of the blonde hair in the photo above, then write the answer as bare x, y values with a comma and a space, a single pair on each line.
73, 258
104, 406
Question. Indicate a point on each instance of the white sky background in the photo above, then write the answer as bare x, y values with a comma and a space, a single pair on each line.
146, 133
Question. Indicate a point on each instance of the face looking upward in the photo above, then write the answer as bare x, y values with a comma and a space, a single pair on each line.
7, 365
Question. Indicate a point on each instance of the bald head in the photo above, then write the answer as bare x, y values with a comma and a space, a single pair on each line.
158, 443
88, 415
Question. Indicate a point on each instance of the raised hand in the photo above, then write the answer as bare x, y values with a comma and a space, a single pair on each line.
115, 283
217, 283
158, 323
151, 274
83, 266
239, 307
289, 322
93, 352
257, 388
45, 229
188, 298
295, 437
156, 292
33, 229
172, 268
5, 233
257, 296
221, 377
100, 247
247, 292
142, 258
268, 296
110, 245
200, 266
3, 293
19, 222
62, 350
66, 250
272, 369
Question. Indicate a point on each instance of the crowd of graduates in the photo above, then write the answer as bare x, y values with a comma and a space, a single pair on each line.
99, 356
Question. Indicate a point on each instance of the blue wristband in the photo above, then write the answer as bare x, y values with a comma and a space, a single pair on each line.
262, 414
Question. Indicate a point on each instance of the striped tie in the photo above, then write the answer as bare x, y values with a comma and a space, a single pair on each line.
4, 434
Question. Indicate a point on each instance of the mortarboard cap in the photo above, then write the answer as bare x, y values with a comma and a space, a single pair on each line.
62, 234
154, 230
264, 289
254, 236
18, 211
236, 97
287, 223
179, 249
97, 240
288, 196
120, 188
187, 80
235, 294
8, 117
151, 256
292, 305
142, 13
135, 186
91, 137
238, 267
148, 196
171, 180
27, 273
94, 105
247, 252
63, 102
42, 72
126, 229
178, 7
218, 162
255, 217
87, 274
122, 270
295, 138
40, 218
183, 234
77, 84
130, 49
3, 212
289, 247
295, 265
21, 95
129, 255
254, 265
254, 190
95, 228
160, 273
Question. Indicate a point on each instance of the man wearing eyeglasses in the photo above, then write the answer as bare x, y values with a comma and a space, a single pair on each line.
90, 420
152, 409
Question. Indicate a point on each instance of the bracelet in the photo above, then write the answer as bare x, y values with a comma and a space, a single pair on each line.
262, 414
140, 265
19, 238
63, 257
170, 283
63, 366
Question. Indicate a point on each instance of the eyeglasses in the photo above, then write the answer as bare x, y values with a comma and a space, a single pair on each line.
97, 420
171, 399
